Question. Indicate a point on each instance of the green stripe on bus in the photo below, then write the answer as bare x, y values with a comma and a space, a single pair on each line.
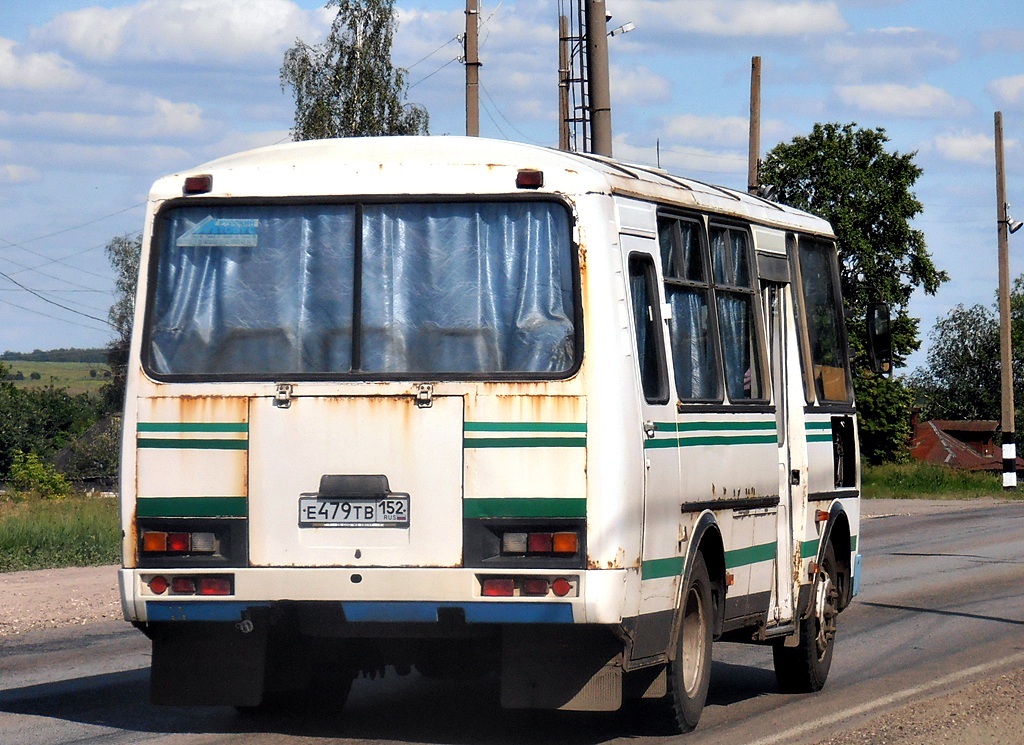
717, 426
191, 507
525, 442
809, 549
193, 427
525, 426
689, 442
742, 557
524, 507
818, 425
192, 444
819, 438
660, 568
853, 543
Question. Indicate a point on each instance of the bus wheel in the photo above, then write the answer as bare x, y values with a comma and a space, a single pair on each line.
690, 671
804, 668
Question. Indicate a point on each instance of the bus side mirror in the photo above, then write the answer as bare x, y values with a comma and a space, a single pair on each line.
879, 338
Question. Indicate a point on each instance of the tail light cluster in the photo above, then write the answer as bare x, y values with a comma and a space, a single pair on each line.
191, 584
564, 543
157, 542
528, 586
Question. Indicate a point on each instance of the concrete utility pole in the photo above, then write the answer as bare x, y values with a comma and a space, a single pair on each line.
754, 156
472, 69
597, 72
1005, 349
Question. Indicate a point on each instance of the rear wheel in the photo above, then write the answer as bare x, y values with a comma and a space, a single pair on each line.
804, 668
689, 673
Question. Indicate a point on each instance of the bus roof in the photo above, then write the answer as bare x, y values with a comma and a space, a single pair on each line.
366, 166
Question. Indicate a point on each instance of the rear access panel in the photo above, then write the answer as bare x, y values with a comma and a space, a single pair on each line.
309, 506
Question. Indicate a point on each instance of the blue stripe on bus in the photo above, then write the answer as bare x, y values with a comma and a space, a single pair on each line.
484, 612
212, 610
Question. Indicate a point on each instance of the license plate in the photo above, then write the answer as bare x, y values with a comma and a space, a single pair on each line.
374, 512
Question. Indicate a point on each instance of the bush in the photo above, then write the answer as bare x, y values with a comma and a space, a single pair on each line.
43, 534
29, 474
928, 481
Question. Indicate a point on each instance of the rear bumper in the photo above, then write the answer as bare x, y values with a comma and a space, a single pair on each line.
379, 595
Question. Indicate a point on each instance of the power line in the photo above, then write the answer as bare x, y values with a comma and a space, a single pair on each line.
513, 126
454, 38
54, 302
47, 315
21, 244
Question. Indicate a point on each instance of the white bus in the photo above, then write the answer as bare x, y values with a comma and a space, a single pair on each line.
475, 407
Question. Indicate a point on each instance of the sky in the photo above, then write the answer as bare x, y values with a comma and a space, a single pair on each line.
99, 99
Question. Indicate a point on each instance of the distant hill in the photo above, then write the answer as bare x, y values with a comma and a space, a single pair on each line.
96, 356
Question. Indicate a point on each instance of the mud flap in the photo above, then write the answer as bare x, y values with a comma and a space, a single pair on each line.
208, 664
569, 669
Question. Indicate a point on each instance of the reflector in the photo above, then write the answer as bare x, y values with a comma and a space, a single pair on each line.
183, 586
539, 543
153, 542
214, 586
530, 179
158, 585
498, 588
564, 543
561, 587
513, 543
179, 542
535, 587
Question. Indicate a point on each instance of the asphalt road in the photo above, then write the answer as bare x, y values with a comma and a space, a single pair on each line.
941, 606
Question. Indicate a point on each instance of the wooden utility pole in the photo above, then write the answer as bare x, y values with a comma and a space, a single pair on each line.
754, 151
600, 97
563, 83
472, 69
1005, 348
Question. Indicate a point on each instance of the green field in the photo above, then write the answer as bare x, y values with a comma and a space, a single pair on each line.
77, 377
38, 533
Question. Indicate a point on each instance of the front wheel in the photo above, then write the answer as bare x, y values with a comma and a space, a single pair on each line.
804, 668
689, 673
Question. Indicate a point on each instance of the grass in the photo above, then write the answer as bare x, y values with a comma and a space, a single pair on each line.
928, 481
75, 376
37, 533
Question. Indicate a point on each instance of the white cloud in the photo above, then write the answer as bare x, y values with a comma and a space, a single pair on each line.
733, 18
638, 85
1008, 91
16, 174
158, 119
35, 71
888, 54
966, 147
731, 130
902, 100
183, 31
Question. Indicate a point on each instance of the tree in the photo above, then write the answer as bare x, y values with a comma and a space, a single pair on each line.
347, 86
123, 252
961, 379
846, 175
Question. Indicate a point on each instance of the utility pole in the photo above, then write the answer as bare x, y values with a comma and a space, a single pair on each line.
472, 69
564, 73
754, 153
597, 72
1005, 349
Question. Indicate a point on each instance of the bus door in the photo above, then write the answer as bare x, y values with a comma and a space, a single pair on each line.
789, 425
660, 568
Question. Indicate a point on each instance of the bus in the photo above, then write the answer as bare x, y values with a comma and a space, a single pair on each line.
473, 407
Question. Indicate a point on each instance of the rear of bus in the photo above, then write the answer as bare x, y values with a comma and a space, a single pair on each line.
356, 426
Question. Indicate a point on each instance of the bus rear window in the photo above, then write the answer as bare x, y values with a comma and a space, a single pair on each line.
375, 291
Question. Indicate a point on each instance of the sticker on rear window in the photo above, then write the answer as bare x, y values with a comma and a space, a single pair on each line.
222, 232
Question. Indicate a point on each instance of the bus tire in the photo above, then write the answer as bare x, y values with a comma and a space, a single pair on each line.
804, 668
689, 673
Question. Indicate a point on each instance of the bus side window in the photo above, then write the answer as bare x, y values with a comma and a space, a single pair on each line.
688, 292
737, 314
650, 352
822, 310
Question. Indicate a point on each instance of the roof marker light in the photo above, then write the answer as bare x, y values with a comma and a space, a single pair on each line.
199, 184
529, 178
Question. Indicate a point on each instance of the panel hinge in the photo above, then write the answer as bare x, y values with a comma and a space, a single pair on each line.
425, 395
283, 397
